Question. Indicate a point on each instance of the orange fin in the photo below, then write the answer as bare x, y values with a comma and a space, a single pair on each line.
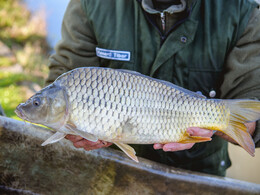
242, 111
194, 139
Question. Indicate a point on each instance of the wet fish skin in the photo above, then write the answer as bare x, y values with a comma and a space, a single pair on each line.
120, 106
123, 106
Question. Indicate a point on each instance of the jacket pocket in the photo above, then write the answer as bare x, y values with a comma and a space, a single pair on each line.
207, 82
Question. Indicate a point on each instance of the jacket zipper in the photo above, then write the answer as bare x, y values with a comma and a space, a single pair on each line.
163, 37
163, 21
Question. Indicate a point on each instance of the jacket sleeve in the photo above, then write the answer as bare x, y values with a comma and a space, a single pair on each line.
77, 46
242, 79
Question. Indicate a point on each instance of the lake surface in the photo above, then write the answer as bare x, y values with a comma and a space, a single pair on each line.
54, 13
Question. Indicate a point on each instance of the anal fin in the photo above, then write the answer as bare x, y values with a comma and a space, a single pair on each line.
54, 138
128, 150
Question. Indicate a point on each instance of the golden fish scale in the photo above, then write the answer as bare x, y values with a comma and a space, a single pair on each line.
122, 106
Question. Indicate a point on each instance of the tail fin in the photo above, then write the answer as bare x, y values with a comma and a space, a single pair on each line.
242, 111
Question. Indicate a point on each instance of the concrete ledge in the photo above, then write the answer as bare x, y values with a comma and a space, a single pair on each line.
28, 168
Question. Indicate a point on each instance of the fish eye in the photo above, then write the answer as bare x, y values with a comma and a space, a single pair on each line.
36, 102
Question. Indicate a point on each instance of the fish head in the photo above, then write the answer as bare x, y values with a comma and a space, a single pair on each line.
48, 106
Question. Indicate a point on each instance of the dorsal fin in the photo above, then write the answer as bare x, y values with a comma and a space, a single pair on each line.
130, 72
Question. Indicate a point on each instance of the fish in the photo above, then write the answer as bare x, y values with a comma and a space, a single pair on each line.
126, 107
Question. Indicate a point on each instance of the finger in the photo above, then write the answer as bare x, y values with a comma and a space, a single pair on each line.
73, 138
106, 144
88, 148
158, 146
226, 137
196, 131
69, 136
251, 127
85, 143
177, 146
97, 146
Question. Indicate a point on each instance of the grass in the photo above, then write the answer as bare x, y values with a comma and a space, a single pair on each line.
9, 79
4, 61
16, 14
11, 93
25, 36
17, 26
10, 99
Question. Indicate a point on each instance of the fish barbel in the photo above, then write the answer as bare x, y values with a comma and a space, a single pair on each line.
126, 107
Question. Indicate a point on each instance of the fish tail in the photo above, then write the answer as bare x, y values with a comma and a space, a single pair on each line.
242, 111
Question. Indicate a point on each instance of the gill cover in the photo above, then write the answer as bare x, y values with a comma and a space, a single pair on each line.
58, 110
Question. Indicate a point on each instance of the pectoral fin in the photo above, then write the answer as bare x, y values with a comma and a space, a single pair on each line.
83, 134
86, 135
128, 150
54, 138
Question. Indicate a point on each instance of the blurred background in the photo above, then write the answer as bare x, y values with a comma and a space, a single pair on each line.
29, 30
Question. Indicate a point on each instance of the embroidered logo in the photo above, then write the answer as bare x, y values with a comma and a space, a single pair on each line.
113, 54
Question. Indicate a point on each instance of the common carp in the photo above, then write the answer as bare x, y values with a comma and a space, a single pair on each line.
126, 107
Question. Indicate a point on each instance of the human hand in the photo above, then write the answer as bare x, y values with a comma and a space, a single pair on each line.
80, 142
192, 131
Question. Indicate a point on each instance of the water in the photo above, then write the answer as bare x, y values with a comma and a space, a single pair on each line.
55, 10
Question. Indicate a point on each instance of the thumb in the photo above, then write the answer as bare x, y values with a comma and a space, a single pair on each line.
196, 131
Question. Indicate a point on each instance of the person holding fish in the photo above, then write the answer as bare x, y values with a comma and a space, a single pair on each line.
153, 54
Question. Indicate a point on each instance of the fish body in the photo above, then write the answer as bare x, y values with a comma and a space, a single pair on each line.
126, 107
131, 108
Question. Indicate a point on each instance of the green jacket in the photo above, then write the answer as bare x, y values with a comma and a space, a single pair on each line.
201, 47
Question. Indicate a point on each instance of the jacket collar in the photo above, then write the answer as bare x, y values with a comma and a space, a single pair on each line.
147, 5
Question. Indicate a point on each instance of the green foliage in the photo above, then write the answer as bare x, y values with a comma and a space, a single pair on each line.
26, 38
12, 11
16, 25
12, 15
4, 61
11, 96
11, 93
8, 79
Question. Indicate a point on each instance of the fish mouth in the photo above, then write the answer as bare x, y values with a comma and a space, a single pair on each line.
18, 111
